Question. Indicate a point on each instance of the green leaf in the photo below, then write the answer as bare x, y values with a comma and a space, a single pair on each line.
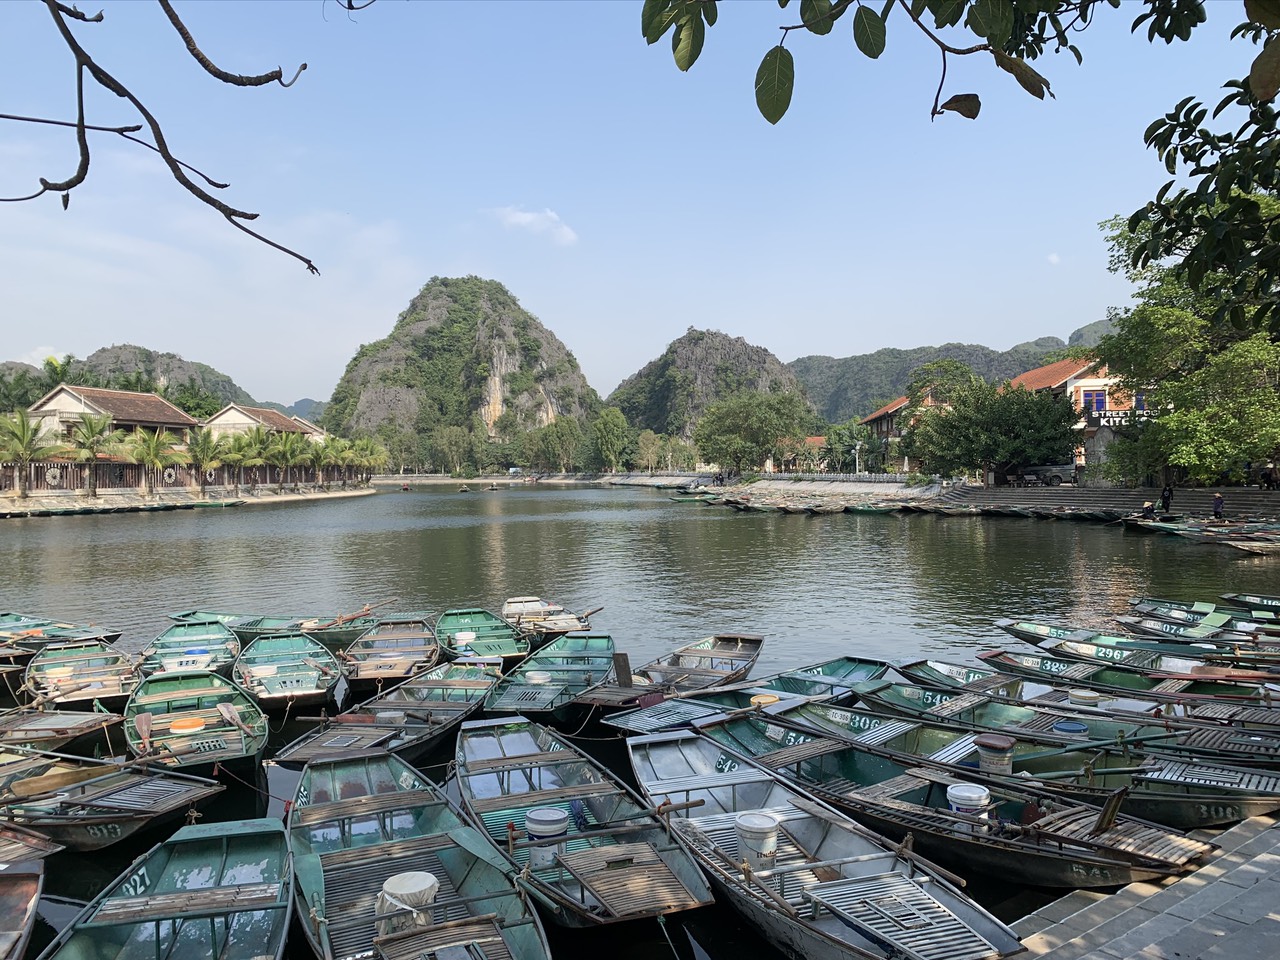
946, 13
774, 82
648, 14
662, 21
1264, 75
1264, 12
686, 42
965, 104
868, 32
816, 16
992, 20
783, 3
918, 7
1027, 78
709, 12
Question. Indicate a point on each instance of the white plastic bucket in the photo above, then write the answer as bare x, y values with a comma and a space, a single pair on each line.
462, 639
402, 891
995, 753
545, 823
757, 839
1084, 698
971, 800
538, 676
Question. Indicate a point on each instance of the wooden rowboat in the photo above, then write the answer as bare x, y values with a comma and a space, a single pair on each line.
81, 674
543, 617
360, 821
194, 722
473, 632
390, 652
548, 684
1021, 834
704, 664
612, 858
287, 672
41, 729
216, 890
814, 896
191, 646
410, 720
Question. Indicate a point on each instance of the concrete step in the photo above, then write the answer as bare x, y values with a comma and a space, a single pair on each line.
1181, 918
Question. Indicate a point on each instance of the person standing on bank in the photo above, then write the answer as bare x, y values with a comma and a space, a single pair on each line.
1217, 506
1166, 498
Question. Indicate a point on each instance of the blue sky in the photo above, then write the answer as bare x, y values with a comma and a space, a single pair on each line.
544, 145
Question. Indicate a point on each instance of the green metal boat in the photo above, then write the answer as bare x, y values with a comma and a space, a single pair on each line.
1017, 832
393, 650
547, 686
387, 868
34, 633
220, 890
195, 721
411, 720
287, 672
193, 645
1173, 792
1090, 644
585, 847
473, 632
81, 675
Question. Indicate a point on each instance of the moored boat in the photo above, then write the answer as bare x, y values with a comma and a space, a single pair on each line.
387, 867
191, 645
677, 712
216, 890
594, 852
803, 873
195, 721
547, 685
393, 650
287, 672
81, 674
21, 883
473, 632
1110, 648
704, 664
41, 729
410, 720
34, 633
1015, 831
545, 617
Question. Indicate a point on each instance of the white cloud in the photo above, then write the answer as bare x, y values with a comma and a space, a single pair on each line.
37, 355
1054, 259
546, 221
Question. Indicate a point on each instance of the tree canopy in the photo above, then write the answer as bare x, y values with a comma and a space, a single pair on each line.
743, 431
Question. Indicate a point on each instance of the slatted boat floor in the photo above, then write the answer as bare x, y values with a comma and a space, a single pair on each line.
895, 909
1207, 776
141, 792
29, 726
529, 696
663, 716
799, 752
628, 879
477, 939
367, 806
949, 708
343, 739
885, 732
188, 904
353, 878
1128, 836
1241, 716
1260, 746
614, 696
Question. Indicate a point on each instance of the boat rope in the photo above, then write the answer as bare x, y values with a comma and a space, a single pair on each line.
288, 705
662, 925
585, 721
220, 770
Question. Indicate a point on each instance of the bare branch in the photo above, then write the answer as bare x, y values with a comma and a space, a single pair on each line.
82, 138
236, 79
942, 45
354, 7
311, 267
75, 14
837, 8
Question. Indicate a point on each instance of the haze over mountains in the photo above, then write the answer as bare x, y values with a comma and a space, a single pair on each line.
464, 353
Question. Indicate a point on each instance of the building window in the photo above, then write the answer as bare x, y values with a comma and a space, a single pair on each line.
1139, 401
1095, 400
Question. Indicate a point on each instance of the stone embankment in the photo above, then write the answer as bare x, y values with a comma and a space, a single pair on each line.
118, 501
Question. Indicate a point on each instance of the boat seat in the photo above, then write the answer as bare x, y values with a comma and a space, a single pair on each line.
887, 788
1172, 771
628, 879
950, 708
885, 732
470, 938
731, 778
518, 762
364, 806
536, 798
956, 751
891, 908
1172, 685
189, 904
799, 752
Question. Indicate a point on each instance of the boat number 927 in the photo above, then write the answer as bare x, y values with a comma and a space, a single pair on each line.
136, 884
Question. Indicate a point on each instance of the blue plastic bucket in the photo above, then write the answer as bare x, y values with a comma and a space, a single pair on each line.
1072, 728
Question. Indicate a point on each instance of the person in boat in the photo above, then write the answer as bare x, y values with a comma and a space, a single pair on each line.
1166, 498
1217, 506
1148, 510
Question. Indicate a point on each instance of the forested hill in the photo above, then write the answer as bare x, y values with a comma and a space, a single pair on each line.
671, 393
842, 388
119, 363
463, 352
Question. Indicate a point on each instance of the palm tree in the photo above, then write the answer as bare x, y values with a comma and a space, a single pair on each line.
369, 455
205, 451
91, 437
154, 449
22, 443
318, 456
284, 450
244, 451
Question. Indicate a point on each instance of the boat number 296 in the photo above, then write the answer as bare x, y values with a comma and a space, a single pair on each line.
136, 884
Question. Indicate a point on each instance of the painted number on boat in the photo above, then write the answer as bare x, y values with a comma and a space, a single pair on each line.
1219, 811
409, 782
842, 717
103, 831
725, 763
304, 796
136, 884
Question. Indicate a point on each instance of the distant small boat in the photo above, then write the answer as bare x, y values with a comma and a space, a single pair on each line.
704, 664
464, 489
33, 633
286, 672
218, 890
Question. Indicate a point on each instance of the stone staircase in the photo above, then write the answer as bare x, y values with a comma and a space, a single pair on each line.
1229, 909
1239, 502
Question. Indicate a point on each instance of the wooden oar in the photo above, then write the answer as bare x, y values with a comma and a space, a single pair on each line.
590, 613
317, 665
355, 616
142, 723
229, 714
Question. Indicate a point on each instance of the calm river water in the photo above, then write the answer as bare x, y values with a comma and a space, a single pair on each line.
664, 572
